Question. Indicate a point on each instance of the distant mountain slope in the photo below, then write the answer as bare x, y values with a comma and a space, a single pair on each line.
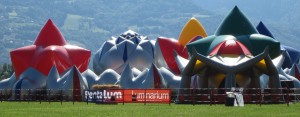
88, 23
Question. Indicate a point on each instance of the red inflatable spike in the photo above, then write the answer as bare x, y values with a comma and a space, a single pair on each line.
49, 49
157, 78
50, 35
167, 52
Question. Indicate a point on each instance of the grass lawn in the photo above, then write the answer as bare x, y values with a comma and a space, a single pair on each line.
80, 109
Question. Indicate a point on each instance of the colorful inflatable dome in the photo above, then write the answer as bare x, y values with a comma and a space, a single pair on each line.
32, 64
50, 48
131, 56
235, 56
129, 48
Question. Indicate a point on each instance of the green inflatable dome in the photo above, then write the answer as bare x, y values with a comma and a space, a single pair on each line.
237, 26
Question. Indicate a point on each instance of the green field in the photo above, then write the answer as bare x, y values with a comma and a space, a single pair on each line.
80, 109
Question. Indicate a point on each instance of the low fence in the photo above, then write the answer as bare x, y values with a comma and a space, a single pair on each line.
89, 96
250, 95
192, 96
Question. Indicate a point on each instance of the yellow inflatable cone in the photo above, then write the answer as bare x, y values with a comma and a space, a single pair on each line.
191, 29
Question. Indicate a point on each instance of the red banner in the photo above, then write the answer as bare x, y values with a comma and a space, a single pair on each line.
147, 96
129, 95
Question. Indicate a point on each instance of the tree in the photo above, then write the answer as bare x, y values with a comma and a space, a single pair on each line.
6, 70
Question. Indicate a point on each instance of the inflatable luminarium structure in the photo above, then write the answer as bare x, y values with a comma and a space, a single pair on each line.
237, 55
129, 48
33, 63
130, 57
